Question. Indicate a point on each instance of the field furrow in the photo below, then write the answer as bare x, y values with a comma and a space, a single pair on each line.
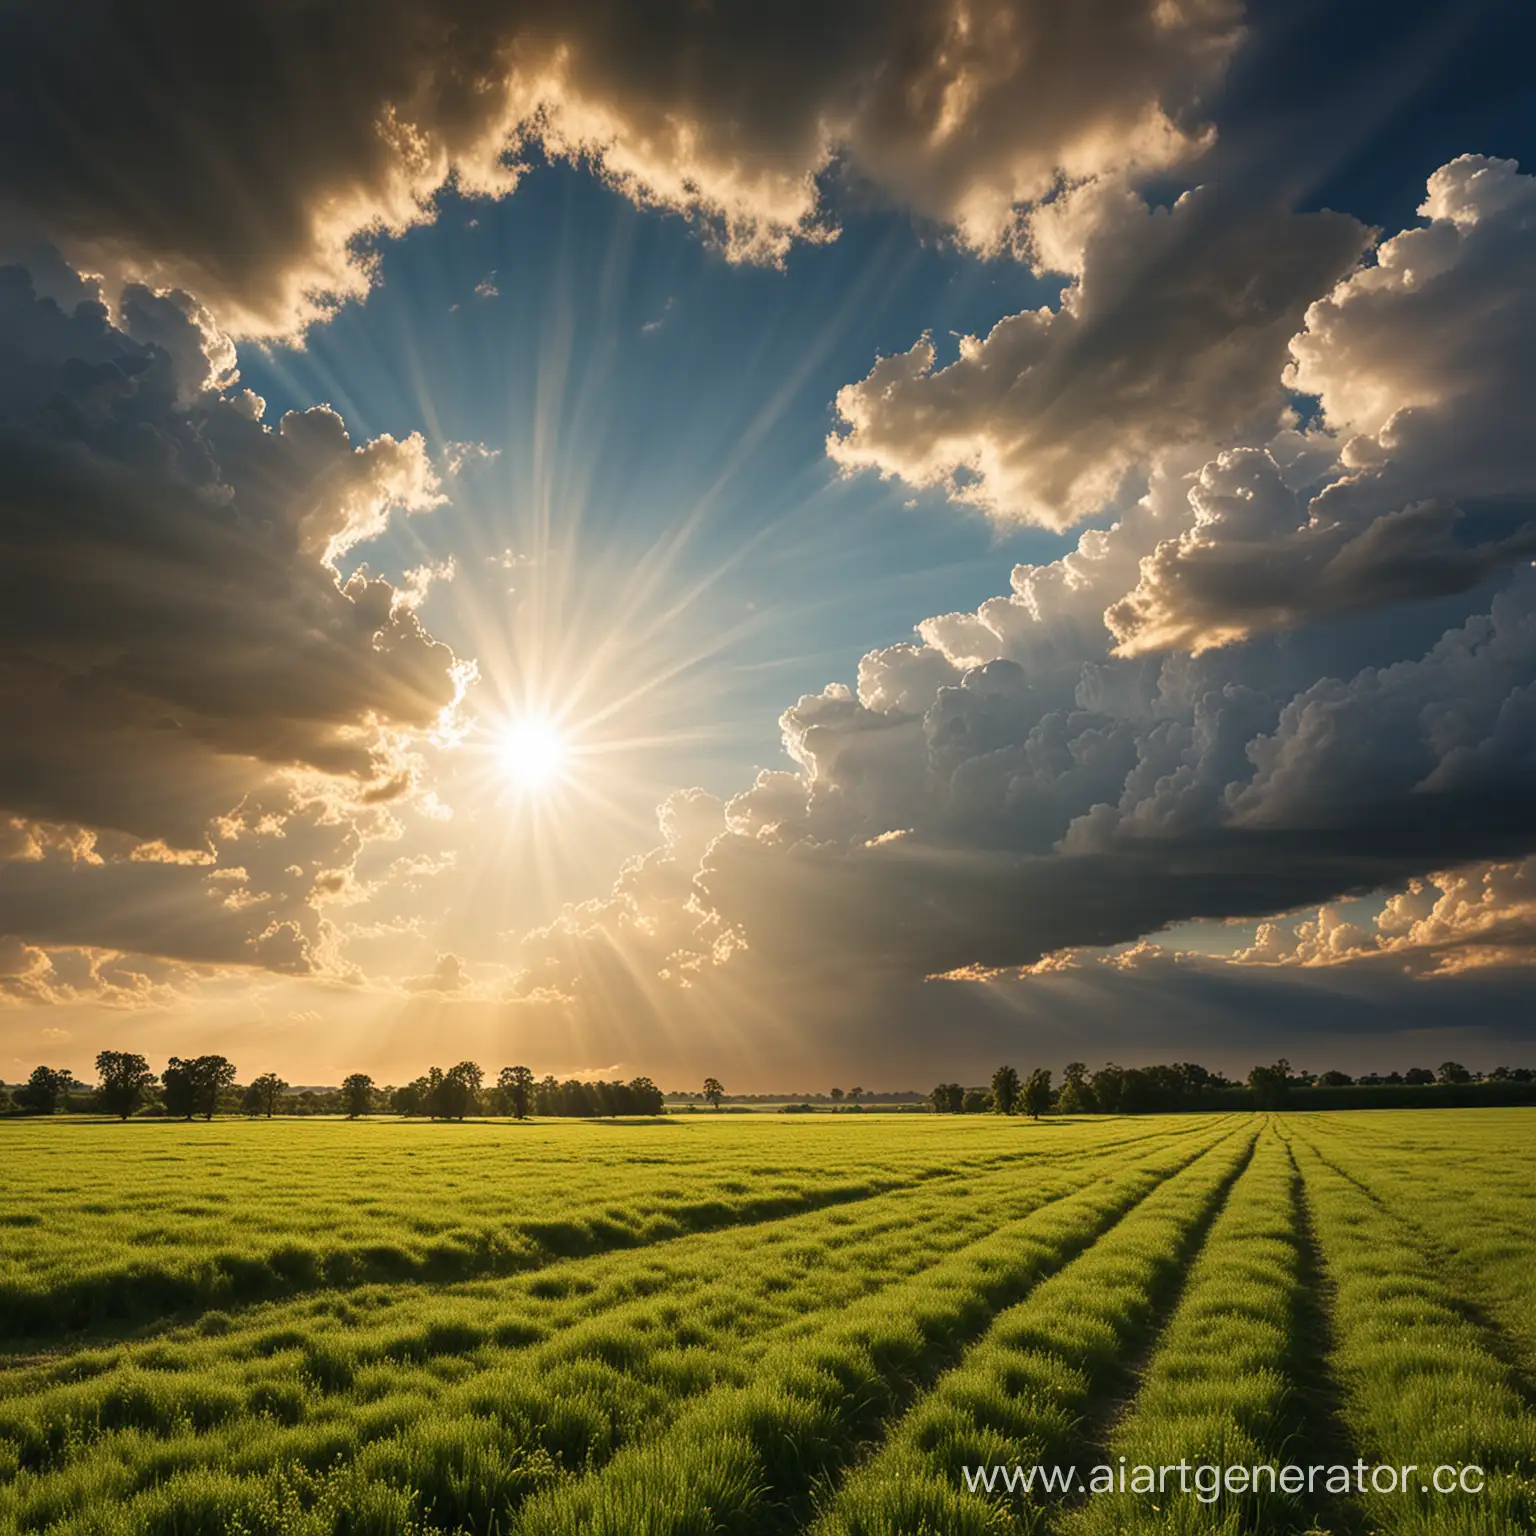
522, 1378
1481, 1228
183, 1218
1024, 1392
1422, 1388
1227, 1386
750, 1460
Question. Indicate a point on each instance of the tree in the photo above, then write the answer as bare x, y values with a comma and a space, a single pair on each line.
837, 1094
515, 1088
357, 1094
41, 1093
262, 1095
1271, 1085
1335, 1079
458, 1091
714, 1091
1418, 1076
1005, 1090
1037, 1092
977, 1101
124, 1078
1108, 1084
1076, 1097
192, 1086
855, 1094
407, 1099
1453, 1072
645, 1097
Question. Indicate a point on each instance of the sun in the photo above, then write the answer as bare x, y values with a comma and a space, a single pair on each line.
533, 753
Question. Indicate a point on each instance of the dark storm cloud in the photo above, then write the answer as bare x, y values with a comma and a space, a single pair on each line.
237, 154
173, 637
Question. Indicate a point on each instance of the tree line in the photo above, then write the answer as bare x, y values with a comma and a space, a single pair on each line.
206, 1085
1187, 1086
202, 1086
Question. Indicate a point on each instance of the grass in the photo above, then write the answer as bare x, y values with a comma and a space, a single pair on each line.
751, 1323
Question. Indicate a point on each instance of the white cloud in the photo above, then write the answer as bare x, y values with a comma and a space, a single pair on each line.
1173, 330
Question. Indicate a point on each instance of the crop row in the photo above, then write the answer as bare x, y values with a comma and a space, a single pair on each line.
751, 1460
159, 1226
1225, 1385
1484, 1226
1023, 1394
1422, 1383
482, 1396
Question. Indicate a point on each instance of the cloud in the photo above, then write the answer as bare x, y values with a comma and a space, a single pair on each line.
182, 661
51, 977
1173, 330
1010, 788
135, 149
447, 975
1422, 364
1340, 700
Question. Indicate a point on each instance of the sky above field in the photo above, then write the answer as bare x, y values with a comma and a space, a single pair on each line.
798, 543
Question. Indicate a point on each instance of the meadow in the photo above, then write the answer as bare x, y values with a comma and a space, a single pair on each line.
761, 1323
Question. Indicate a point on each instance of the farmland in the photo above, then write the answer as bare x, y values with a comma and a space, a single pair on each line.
761, 1323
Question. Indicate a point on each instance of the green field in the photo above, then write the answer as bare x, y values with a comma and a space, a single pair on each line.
760, 1323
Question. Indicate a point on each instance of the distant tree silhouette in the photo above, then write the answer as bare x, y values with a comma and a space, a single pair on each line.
407, 1099
515, 1088
261, 1097
1271, 1085
192, 1086
125, 1077
855, 1094
42, 1092
459, 1091
837, 1094
645, 1097
1005, 1090
977, 1101
357, 1094
1418, 1075
1076, 1097
714, 1091
1335, 1079
1037, 1092
1453, 1072
948, 1098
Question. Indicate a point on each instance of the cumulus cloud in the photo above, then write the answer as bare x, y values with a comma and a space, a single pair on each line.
183, 664
33, 975
1173, 329
131, 145
1094, 757
1422, 364
1451, 922
449, 974
1011, 788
